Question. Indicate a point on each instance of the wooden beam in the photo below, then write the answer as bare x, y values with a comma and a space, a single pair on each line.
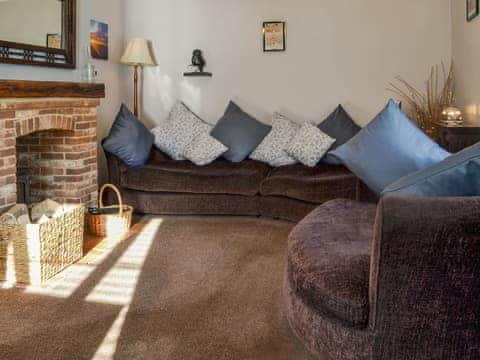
50, 89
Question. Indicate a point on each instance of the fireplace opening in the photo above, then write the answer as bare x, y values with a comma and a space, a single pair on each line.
49, 151
42, 167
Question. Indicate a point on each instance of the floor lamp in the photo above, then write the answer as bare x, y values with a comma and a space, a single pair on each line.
137, 54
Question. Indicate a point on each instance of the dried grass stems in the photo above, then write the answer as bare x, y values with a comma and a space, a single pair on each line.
427, 107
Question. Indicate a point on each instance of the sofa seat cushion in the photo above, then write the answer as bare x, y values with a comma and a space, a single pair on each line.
329, 259
220, 177
315, 185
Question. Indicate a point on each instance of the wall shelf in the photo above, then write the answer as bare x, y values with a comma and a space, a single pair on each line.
198, 74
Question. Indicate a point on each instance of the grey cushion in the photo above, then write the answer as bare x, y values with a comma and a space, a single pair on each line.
239, 132
458, 175
340, 126
129, 139
390, 147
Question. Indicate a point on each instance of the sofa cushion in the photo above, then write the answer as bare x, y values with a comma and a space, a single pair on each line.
315, 185
204, 150
458, 175
340, 126
181, 127
129, 139
272, 149
309, 145
388, 148
329, 259
220, 177
240, 132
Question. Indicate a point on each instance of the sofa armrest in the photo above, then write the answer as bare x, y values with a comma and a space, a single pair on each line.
425, 277
115, 167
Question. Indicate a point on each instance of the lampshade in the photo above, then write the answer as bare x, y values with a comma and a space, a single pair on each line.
137, 53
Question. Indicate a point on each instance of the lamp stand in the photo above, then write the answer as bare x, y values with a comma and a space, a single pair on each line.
135, 90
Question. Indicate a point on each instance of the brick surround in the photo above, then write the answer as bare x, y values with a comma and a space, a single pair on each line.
56, 139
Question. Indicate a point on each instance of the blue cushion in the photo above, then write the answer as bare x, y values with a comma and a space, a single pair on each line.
390, 147
129, 139
458, 175
239, 132
340, 126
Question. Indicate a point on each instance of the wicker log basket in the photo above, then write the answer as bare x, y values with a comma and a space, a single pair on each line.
33, 253
105, 225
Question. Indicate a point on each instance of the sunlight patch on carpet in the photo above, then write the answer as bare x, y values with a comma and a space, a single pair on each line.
118, 286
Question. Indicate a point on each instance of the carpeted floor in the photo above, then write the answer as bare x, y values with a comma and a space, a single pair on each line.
178, 288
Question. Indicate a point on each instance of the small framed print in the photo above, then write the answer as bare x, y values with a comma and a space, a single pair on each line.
472, 9
274, 36
54, 41
98, 40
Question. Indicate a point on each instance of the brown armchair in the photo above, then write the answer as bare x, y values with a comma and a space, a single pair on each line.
409, 288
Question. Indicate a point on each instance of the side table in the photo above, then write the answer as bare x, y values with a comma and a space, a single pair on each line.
455, 138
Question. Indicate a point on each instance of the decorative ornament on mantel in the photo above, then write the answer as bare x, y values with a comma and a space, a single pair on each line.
89, 73
137, 54
427, 107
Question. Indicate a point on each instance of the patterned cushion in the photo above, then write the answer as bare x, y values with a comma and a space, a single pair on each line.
181, 128
204, 150
272, 150
309, 145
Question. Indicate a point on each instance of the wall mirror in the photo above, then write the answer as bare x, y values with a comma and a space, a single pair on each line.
38, 32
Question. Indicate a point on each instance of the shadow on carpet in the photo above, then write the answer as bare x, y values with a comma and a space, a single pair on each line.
178, 288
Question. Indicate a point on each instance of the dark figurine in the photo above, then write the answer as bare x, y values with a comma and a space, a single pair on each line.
198, 60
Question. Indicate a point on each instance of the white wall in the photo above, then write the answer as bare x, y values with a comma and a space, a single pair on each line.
466, 54
112, 12
337, 52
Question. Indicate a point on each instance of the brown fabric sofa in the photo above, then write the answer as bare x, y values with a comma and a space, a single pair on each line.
165, 186
401, 281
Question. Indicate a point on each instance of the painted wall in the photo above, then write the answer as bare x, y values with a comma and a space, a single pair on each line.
112, 12
38, 18
337, 52
466, 54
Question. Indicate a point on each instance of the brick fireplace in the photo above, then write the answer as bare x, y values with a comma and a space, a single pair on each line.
50, 139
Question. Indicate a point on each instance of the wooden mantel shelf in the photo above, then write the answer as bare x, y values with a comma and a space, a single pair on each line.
50, 89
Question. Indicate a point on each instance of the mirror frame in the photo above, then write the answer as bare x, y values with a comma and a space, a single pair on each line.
25, 54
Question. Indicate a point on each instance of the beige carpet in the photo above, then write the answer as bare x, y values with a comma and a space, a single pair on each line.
178, 288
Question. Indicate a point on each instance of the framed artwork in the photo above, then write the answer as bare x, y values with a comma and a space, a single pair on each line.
472, 9
274, 36
54, 41
98, 40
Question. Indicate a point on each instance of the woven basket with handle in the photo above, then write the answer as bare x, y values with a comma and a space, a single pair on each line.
110, 224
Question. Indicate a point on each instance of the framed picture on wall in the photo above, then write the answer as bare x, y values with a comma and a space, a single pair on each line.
274, 36
99, 40
472, 9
